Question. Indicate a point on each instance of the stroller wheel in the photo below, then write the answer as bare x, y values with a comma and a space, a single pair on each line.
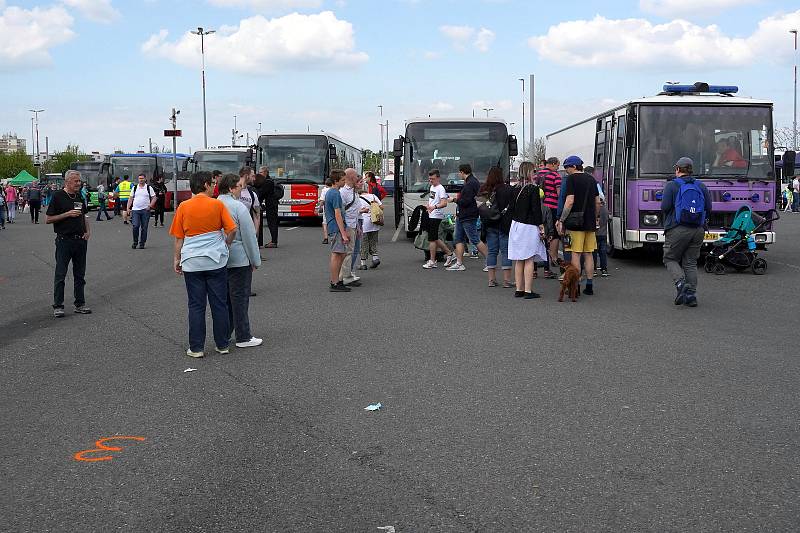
709, 266
719, 269
759, 266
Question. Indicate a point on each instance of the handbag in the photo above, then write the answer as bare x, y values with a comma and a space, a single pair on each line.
488, 210
574, 221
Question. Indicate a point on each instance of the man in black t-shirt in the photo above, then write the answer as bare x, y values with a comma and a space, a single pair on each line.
580, 195
66, 213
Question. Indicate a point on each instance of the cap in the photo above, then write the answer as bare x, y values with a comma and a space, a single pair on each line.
684, 162
573, 161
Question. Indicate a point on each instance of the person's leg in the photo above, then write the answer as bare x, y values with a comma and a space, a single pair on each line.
272, 222
690, 257
197, 296
31, 210
529, 266
471, 228
602, 246
373, 244
239, 292
144, 223
62, 263
506, 262
336, 266
346, 272
100, 209
78, 252
519, 274
675, 243
459, 238
135, 221
364, 248
217, 287
493, 248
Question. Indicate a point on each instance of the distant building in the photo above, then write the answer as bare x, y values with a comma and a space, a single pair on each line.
9, 142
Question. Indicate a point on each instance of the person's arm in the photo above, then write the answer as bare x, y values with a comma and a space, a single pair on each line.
87, 233
668, 198
177, 255
247, 231
467, 196
153, 199
51, 218
337, 212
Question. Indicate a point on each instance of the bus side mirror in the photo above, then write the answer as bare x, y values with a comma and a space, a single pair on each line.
513, 149
397, 148
331, 151
789, 163
630, 130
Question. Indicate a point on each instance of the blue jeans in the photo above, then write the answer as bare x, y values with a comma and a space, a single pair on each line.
497, 242
239, 289
466, 230
207, 286
101, 208
140, 220
602, 250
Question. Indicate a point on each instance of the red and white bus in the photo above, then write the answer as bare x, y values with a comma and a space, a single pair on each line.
301, 162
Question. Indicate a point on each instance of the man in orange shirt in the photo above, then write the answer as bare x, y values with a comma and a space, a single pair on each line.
203, 230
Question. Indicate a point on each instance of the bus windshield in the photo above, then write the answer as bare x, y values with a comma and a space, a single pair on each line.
225, 162
90, 172
132, 167
723, 141
296, 158
446, 145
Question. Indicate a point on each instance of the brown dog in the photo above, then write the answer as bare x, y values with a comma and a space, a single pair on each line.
571, 284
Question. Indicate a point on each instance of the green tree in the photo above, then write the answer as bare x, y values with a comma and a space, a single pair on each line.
13, 163
61, 161
372, 161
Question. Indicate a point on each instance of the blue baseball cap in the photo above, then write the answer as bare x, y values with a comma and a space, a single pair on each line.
572, 161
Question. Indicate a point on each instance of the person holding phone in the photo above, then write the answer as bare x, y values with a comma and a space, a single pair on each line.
66, 213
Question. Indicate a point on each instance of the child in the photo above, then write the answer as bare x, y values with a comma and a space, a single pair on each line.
602, 240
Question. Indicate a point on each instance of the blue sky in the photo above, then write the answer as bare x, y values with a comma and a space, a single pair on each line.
107, 72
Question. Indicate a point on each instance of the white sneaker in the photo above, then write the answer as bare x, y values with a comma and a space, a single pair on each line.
450, 260
254, 341
222, 351
486, 269
190, 353
355, 278
457, 267
430, 264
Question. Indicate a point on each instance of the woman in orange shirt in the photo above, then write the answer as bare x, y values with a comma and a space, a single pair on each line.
203, 230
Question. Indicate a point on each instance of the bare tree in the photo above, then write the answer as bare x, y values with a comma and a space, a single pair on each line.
783, 137
535, 151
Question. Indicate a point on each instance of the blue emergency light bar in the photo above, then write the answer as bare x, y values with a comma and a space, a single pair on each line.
701, 87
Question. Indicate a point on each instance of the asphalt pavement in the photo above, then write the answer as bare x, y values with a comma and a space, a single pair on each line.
620, 412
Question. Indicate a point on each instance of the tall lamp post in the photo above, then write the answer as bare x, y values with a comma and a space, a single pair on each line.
36, 126
794, 125
202, 33
383, 148
523, 116
487, 109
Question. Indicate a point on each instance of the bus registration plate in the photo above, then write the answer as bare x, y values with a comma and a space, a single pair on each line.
290, 214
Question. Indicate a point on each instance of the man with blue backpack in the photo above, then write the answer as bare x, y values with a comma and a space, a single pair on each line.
686, 205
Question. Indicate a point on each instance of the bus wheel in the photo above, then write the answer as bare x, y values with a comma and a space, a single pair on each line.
759, 266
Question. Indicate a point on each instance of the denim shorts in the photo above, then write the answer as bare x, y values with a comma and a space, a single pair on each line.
466, 229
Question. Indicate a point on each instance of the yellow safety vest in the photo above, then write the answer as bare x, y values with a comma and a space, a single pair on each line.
124, 190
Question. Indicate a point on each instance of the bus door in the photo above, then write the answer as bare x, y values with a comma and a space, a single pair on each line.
399, 181
616, 185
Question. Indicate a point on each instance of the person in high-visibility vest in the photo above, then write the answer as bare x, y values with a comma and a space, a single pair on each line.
123, 192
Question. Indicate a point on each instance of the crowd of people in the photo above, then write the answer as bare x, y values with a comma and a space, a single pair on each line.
28, 199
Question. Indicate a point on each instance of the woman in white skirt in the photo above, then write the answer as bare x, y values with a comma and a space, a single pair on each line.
525, 244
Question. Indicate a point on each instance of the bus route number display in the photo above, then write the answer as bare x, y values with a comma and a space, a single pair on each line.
172, 133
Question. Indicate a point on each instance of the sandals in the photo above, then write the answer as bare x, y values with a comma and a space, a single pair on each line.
492, 283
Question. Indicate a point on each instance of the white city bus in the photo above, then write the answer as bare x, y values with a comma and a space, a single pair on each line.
444, 144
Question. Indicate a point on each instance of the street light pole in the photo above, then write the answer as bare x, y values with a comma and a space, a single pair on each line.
174, 119
794, 126
487, 109
36, 126
523, 116
202, 33
383, 148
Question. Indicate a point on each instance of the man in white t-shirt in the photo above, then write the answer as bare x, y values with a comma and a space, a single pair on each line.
352, 210
437, 201
140, 202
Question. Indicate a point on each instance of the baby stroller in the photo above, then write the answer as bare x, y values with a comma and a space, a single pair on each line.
737, 248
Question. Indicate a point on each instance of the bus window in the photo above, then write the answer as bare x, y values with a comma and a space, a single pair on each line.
619, 168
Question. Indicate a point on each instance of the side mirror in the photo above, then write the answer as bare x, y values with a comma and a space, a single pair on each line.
332, 151
397, 148
789, 163
513, 149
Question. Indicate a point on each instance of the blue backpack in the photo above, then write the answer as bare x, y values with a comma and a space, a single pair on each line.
690, 203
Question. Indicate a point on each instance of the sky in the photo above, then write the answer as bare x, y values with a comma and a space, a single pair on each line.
108, 72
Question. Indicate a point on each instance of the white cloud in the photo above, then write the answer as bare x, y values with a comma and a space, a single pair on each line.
462, 36
637, 43
429, 55
687, 8
265, 45
27, 35
269, 6
96, 10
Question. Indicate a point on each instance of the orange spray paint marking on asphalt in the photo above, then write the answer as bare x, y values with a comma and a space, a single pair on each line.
101, 446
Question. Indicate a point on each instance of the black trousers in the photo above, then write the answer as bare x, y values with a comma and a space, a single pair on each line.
271, 215
159, 212
239, 289
69, 249
35, 206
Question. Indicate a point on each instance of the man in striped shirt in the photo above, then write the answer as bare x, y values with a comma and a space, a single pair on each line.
550, 181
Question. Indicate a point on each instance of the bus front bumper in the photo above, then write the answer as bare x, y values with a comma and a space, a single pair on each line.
638, 238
